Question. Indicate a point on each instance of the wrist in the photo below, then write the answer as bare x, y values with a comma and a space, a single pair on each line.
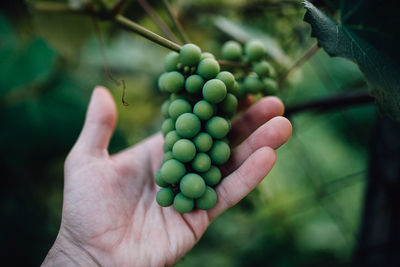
66, 252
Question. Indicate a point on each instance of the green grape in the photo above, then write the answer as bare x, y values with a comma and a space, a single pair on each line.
214, 91
171, 61
167, 156
164, 108
167, 126
165, 197
172, 171
165, 148
207, 200
159, 180
178, 107
161, 82
201, 163
192, 185
183, 204
263, 69
203, 109
241, 91
171, 138
173, 82
219, 153
231, 50
174, 97
229, 106
188, 125
203, 142
234, 89
205, 55
217, 127
208, 68
184, 150
253, 84
194, 84
254, 50
227, 78
212, 176
190, 55
270, 86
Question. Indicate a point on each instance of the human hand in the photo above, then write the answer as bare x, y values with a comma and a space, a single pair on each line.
110, 216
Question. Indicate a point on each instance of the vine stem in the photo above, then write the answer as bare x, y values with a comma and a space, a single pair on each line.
157, 20
133, 26
306, 56
340, 100
176, 22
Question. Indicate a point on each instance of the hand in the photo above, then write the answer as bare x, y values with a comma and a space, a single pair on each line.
110, 216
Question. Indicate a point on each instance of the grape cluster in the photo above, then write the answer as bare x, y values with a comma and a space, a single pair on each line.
257, 78
197, 115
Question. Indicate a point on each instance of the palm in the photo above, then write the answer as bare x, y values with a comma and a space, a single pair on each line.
109, 205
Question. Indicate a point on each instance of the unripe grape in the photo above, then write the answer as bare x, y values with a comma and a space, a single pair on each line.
203, 142
254, 50
188, 125
178, 107
172, 171
173, 82
205, 55
207, 200
270, 86
165, 197
219, 153
203, 109
253, 84
201, 163
263, 69
217, 127
171, 61
192, 185
167, 126
183, 204
159, 180
165, 148
171, 138
161, 82
212, 176
208, 68
190, 55
167, 156
184, 150
164, 108
229, 105
232, 50
214, 91
174, 97
194, 84
227, 78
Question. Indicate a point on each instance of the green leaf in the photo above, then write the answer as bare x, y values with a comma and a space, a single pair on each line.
366, 36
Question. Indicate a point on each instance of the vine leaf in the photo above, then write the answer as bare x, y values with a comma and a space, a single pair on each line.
372, 48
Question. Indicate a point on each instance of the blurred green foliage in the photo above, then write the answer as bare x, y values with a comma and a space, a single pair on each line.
305, 213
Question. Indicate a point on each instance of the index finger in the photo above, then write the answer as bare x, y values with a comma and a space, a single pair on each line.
254, 117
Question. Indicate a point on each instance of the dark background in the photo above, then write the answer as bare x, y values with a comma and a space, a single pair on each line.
309, 210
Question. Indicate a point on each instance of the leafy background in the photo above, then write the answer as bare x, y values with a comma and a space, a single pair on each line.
307, 212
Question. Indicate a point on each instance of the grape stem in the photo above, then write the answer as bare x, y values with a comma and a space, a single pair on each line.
233, 64
306, 56
176, 22
157, 20
118, 19
134, 27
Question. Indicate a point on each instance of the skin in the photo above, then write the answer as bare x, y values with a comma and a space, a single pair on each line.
110, 216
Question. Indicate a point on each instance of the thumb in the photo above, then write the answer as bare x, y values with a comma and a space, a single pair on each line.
99, 124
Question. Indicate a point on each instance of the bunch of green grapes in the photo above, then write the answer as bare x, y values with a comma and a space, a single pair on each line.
197, 119
257, 78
